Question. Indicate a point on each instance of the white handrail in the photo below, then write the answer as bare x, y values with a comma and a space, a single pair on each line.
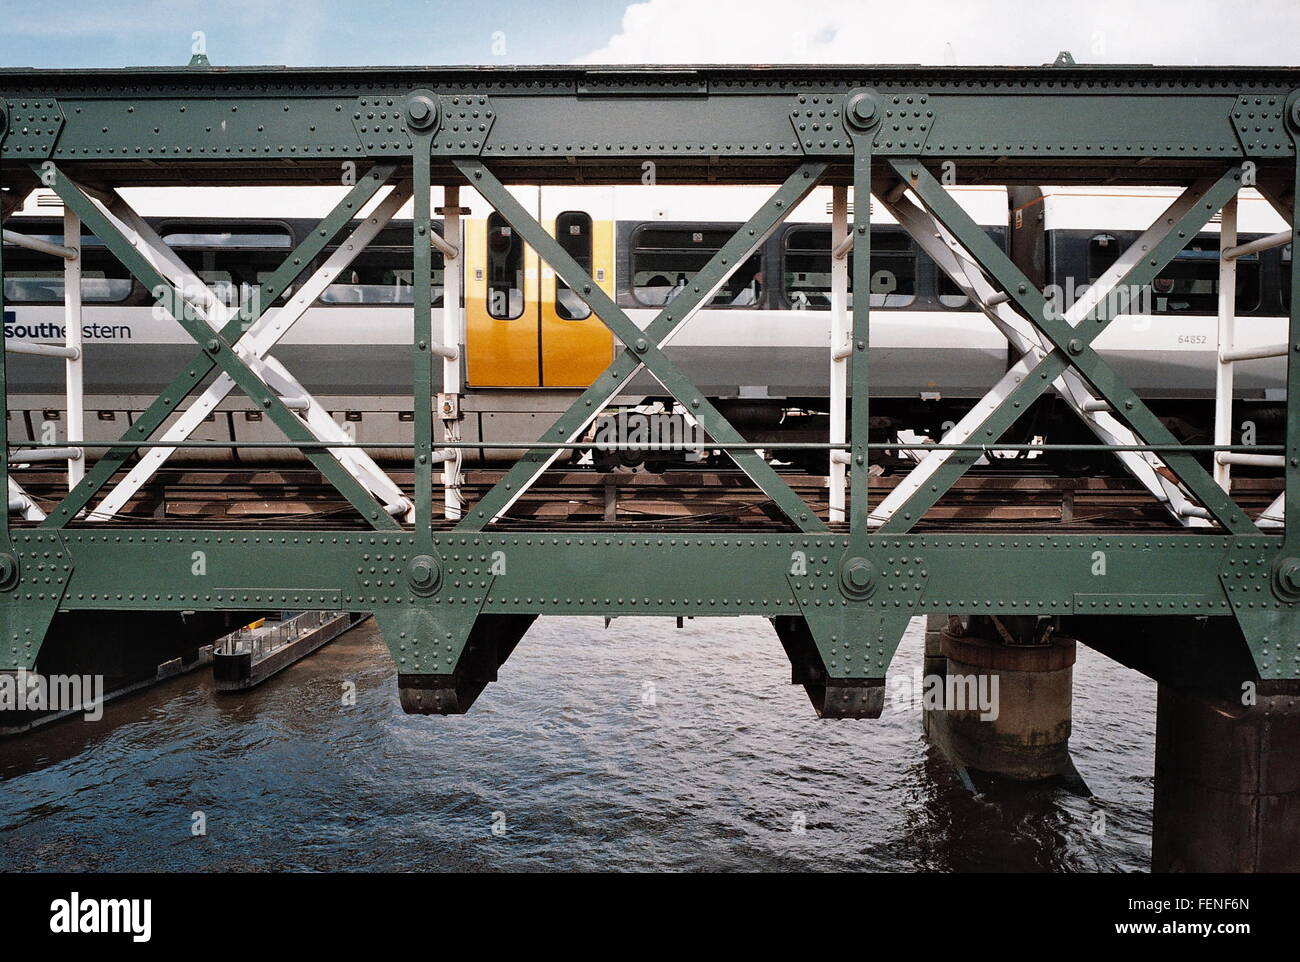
36, 244
1257, 245
42, 350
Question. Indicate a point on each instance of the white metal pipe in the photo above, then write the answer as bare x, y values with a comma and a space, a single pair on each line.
449, 251
1227, 331
74, 368
67, 252
20, 500
1233, 251
1096, 405
1226, 458
443, 351
839, 374
1001, 297
842, 248
452, 334
33, 455
42, 350
296, 403
1194, 511
1253, 353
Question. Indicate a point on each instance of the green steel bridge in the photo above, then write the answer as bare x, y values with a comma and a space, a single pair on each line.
1204, 600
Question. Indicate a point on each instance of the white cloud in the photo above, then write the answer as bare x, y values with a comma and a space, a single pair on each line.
955, 31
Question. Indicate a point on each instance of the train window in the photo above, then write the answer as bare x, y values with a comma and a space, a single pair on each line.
1286, 278
1103, 251
230, 273
39, 279
808, 269
199, 237
378, 276
573, 231
505, 270
666, 259
950, 295
1190, 284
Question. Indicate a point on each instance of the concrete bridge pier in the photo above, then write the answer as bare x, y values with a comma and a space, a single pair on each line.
1006, 697
1227, 785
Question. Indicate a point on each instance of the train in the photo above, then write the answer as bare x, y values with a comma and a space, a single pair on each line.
760, 349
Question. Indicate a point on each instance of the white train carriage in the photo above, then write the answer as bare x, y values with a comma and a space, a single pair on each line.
760, 346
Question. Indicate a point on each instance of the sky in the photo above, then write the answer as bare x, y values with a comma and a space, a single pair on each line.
121, 33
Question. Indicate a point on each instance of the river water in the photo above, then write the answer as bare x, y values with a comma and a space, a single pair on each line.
634, 747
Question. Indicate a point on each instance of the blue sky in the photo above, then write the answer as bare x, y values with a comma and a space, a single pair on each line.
118, 33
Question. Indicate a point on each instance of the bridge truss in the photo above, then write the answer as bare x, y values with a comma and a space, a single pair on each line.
453, 586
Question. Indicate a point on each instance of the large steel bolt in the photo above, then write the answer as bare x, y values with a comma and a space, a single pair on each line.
863, 110
858, 577
424, 573
1287, 578
8, 571
421, 112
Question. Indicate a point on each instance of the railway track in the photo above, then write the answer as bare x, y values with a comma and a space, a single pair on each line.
715, 500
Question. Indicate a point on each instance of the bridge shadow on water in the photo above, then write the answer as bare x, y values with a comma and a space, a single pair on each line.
636, 747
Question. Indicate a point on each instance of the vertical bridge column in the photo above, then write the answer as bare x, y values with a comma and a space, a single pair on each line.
1227, 795
1004, 698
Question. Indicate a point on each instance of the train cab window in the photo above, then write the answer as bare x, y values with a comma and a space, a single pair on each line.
505, 270
1190, 284
808, 269
379, 276
573, 231
665, 259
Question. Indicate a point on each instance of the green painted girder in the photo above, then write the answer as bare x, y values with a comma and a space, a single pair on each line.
860, 340
628, 573
422, 342
236, 115
1291, 508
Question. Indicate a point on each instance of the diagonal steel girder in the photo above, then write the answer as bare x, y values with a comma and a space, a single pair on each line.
643, 348
1100, 293
945, 251
256, 341
217, 349
1071, 345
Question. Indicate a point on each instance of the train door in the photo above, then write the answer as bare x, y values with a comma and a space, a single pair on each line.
503, 324
524, 326
575, 346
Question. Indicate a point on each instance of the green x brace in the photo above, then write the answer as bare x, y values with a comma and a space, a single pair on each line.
217, 350
641, 348
1071, 347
